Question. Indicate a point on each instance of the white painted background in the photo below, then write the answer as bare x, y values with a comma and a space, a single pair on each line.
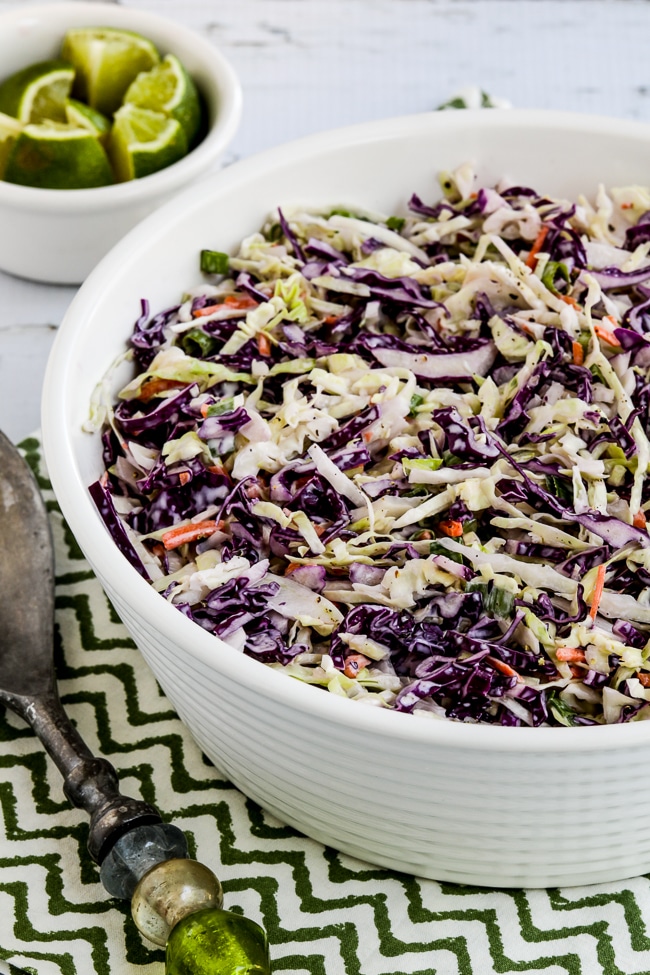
308, 65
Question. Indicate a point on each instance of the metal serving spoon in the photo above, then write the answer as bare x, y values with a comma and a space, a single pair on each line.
175, 901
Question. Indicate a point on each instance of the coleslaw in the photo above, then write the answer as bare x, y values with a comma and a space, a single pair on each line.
404, 458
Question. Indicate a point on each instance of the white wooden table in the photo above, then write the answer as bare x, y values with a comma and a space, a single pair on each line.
308, 65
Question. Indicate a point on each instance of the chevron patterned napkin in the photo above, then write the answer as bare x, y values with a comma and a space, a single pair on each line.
325, 913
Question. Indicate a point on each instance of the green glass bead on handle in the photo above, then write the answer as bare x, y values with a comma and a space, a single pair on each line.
217, 942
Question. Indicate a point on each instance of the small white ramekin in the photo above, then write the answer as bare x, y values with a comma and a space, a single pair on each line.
59, 235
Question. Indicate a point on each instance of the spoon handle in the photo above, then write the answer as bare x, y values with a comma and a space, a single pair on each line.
175, 901
89, 783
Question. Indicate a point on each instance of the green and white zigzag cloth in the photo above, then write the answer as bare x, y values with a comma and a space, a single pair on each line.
326, 914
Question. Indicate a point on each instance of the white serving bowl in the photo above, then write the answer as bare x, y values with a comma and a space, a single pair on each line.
475, 804
59, 235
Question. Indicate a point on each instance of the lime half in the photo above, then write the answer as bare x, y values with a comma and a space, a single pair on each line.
55, 156
10, 129
37, 92
168, 88
142, 142
107, 61
83, 117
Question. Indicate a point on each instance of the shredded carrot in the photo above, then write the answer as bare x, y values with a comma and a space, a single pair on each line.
568, 300
644, 679
319, 529
598, 591
208, 310
204, 409
576, 671
301, 481
354, 663
452, 528
578, 354
230, 301
531, 260
263, 344
218, 469
188, 533
639, 520
291, 568
571, 655
239, 301
504, 668
367, 435
184, 477
154, 386
331, 320
607, 336
626, 206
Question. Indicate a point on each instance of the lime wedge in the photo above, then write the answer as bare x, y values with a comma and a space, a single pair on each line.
37, 92
142, 142
55, 156
107, 61
83, 117
168, 88
10, 129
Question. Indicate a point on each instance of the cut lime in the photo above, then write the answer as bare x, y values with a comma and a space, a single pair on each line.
37, 92
168, 88
83, 117
54, 156
10, 129
107, 61
142, 142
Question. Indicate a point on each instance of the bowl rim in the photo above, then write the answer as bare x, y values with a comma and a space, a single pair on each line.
224, 78
86, 524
